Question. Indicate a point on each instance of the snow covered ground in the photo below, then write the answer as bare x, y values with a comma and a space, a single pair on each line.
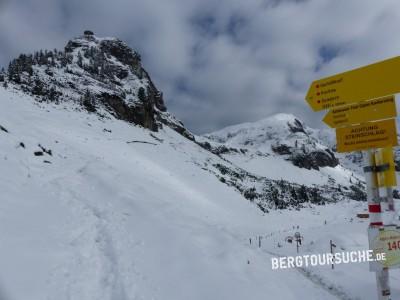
117, 212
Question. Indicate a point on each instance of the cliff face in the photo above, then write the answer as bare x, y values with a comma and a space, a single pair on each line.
101, 75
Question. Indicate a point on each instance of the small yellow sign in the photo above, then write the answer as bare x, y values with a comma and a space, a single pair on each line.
369, 82
385, 157
356, 113
369, 135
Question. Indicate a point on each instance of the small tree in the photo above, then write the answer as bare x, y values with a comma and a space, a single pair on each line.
38, 88
80, 59
142, 94
88, 102
52, 95
2, 75
302, 192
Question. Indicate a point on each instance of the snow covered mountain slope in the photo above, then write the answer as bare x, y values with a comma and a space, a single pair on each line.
282, 147
275, 144
107, 210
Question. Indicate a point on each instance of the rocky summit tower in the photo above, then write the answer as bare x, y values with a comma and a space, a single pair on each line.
102, 75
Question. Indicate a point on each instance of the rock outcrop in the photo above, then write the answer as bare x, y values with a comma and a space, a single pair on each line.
101, 75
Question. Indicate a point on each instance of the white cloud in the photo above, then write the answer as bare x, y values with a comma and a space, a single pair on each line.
220, 62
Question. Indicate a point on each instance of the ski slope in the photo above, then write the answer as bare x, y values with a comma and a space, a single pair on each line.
118, 212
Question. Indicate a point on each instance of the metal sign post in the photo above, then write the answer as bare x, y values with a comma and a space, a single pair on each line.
332, 246
374, 208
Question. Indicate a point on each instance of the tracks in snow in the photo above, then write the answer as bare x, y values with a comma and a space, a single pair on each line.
99, 264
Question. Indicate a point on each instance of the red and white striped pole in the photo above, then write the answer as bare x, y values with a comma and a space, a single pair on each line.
374, 206
375, 216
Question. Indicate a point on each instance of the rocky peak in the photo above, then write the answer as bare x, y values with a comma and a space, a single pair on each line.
91, 45
101, 75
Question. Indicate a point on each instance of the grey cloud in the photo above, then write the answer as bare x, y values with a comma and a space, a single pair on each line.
219, 62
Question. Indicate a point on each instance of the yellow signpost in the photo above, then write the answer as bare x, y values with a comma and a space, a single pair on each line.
369, 82
348, 96
387, 177
356, 113
366, 136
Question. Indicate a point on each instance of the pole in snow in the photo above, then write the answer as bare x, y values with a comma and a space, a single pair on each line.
298, 239
332, 245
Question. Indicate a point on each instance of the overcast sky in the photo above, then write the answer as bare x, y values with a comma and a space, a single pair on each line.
219, 62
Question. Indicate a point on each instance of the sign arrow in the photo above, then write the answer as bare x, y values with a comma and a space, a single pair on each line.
369, 82
356, 113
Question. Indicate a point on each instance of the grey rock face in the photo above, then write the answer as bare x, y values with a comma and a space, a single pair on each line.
315, 160
307, 159
296, 126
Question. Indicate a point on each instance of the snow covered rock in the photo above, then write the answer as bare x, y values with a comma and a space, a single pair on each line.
102, 75
286, 135
283, 149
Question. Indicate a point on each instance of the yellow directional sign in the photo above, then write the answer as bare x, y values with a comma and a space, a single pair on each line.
384, 157
369, 82
356, 113
369, 135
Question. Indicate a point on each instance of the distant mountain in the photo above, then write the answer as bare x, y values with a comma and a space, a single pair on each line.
282, 148
281, 134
